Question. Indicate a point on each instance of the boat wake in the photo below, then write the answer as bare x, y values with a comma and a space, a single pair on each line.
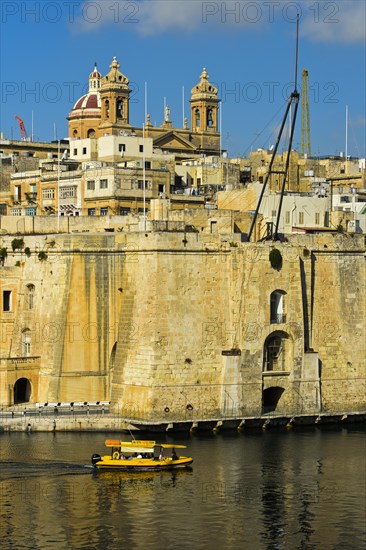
18, 470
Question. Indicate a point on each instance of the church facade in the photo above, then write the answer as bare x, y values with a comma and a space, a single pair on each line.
105, 110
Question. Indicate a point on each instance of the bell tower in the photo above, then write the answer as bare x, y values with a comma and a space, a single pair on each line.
204, 115
114, 98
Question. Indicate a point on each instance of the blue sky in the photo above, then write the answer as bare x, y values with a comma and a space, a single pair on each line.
48, 49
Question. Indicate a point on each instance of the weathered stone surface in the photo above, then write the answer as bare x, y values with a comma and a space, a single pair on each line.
143, 319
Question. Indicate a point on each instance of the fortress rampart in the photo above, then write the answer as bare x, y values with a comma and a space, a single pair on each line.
180, 326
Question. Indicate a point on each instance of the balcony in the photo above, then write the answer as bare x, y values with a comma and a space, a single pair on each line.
31, 196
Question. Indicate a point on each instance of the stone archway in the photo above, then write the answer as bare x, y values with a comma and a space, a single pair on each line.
271, 397
278, 352
22, 391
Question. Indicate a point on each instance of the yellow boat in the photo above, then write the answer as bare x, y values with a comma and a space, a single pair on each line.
140, 456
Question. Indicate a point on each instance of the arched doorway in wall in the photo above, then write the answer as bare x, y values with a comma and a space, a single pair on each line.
22, 391
271, 397
277, 352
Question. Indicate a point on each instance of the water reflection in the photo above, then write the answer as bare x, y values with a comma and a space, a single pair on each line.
258, 491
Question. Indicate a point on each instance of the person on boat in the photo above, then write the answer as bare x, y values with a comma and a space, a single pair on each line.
139, 455
122, 457
174, 455
161, 456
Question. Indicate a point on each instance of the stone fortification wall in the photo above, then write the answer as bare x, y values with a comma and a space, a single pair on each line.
190, 303
180, 326
62, 322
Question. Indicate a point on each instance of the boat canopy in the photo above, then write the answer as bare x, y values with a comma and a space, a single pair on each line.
140, 445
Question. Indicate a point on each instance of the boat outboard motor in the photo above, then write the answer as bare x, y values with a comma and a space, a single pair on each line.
95, 458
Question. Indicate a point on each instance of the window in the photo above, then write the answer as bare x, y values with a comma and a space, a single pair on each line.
104, 211
91, 211
103, 184
287, 217
301, 217
124, 210
277, 356
30, 296
121, 147
90, 185
16, 212
75, 152
147, 165
6, 300
317, 218
273, 213
209, 118
48, 194
197, 117
31, 211
84, 150
3, 206
140, 184
26, 342
141, 148
67, 192
17, 193
277, 302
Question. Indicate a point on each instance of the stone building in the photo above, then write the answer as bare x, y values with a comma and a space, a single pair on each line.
177, 326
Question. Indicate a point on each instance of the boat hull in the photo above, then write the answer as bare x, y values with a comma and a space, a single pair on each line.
142, 464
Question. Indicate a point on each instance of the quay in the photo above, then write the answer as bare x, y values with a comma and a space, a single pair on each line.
96, 418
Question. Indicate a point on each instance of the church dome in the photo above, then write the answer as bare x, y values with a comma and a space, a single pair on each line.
88, 105
95, 73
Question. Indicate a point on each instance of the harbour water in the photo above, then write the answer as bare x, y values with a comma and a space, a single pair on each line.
254, 490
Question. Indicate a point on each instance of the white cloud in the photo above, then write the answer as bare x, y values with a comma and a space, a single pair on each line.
147, 17
342, 21
337, 22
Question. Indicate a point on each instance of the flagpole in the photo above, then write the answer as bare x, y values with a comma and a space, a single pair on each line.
58, 185
143, 155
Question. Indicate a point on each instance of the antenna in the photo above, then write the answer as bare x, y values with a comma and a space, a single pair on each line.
297, 50
305, 123
293, 99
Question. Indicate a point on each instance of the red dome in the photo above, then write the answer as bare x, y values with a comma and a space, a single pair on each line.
88, 105
88, 101
95, 74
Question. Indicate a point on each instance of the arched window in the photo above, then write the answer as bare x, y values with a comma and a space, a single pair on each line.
26, 342
30, 296
277, 307
119, 108
209, 118
197, 117
91, 133
277, 352
106, 106
75, 133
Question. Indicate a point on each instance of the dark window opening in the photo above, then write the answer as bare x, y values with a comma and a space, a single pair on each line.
7, 300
